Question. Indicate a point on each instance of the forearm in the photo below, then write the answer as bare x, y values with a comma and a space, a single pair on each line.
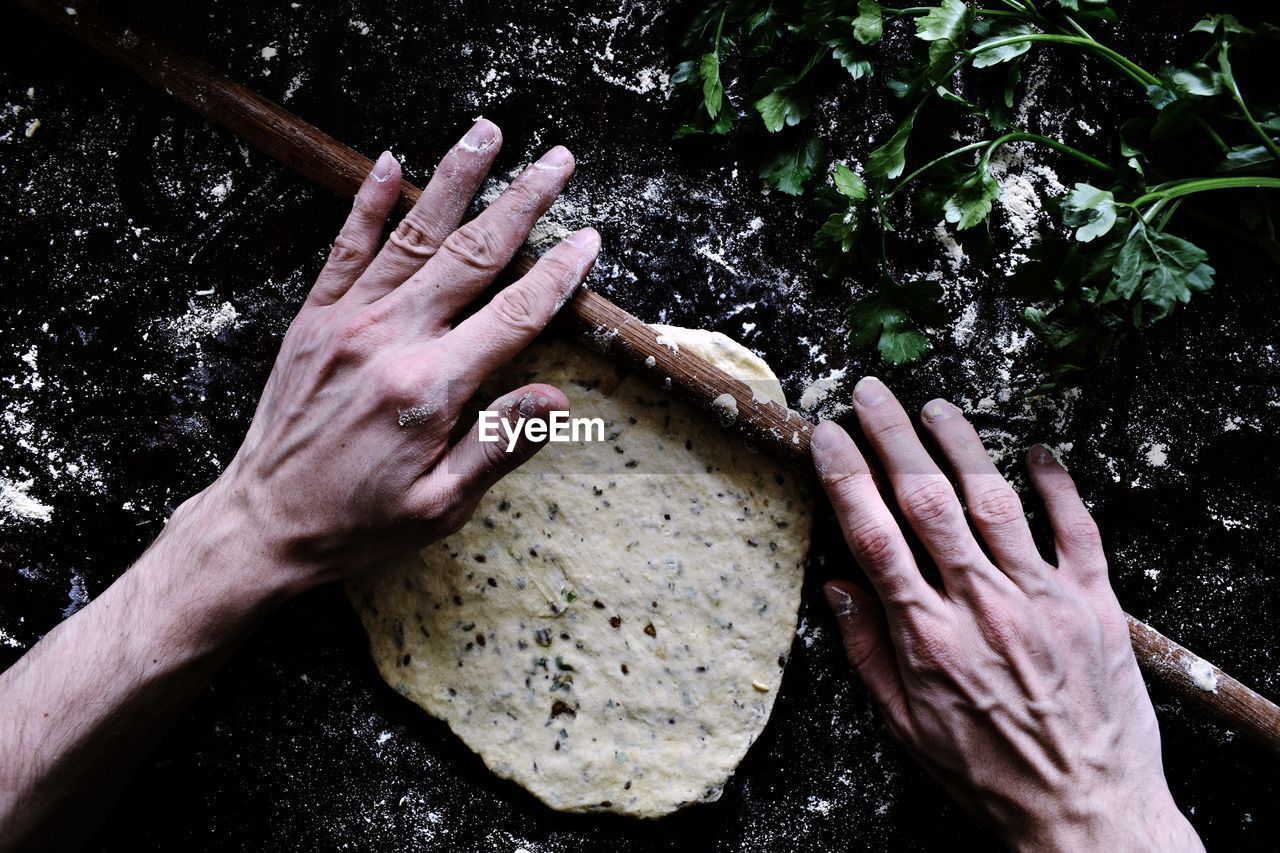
85, 704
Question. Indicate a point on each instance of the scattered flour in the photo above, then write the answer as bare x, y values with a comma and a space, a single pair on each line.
77, 596
1157, 454
17, 503
820, 389
200, 324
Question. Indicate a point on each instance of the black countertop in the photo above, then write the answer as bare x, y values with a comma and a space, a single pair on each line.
150, 263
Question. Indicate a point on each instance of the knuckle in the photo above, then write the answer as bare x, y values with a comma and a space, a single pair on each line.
396, 382
524, 195
495, 455
474, 246
871, 543
348, 251
1082, 531
997, 508
415, 237
517, 308
844, 484
557, 268
927, 501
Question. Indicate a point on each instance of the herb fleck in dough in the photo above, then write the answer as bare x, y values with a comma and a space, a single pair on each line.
610, 628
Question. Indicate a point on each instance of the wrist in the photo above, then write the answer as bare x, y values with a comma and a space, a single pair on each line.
215, 551
1135, 823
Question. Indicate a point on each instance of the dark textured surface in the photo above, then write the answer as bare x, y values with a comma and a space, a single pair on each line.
128, 224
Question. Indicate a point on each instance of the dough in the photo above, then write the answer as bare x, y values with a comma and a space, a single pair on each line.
610, 628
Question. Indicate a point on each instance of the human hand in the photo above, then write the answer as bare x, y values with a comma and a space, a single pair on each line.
348, 460
1014, 683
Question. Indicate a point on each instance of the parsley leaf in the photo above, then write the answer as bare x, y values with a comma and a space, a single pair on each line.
1116, 266
712, 88
1090, 211
786, 102
848, 183
944, 27
890, 159
836, 239
1221, 24
868, 26
851, 57
1161, 269
986, 57
794, 164
886, 320
971, 203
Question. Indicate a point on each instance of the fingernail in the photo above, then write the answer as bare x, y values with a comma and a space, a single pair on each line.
1041, 455
938, 410
585, 238
556, 158
870, 391
825, 436
840, 602
382, 169
825, 443
822, 445
482, 136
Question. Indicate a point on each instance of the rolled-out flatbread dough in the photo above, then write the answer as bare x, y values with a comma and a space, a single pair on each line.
610, 628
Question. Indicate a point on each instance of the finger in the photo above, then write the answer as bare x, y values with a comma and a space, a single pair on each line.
923, 492
869, 528
472, 466
493, 335
865, 633
993, 505
360, 234
472, 256
1075, 534
435, 215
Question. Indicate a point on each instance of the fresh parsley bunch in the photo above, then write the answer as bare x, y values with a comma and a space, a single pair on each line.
1119, 267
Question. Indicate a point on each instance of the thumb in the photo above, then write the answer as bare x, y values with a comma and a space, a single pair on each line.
870, 651
474, 464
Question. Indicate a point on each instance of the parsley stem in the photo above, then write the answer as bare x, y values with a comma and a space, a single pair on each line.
1079, 30
1132, 69
1083, 33
992, 145
912, 11
1177, 189
1244, 108
1168, 214
964, 149
1027, 136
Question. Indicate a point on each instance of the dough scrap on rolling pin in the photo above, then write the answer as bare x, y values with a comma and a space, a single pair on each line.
610, 628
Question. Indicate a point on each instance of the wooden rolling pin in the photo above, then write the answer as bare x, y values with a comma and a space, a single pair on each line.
599, 323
